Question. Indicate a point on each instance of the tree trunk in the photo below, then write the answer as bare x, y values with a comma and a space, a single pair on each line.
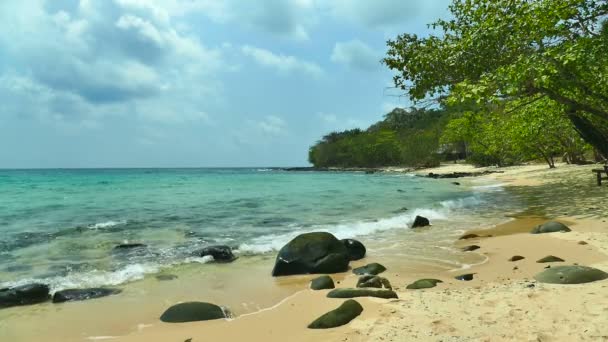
593, 133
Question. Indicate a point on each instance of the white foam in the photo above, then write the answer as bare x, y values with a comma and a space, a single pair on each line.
107, 224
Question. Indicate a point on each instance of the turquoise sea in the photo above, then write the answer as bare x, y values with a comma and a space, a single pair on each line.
60, 226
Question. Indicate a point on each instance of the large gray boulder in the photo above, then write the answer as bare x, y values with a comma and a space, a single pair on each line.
570, 275
420, 221
359, 292
71, 295
308, 253
24, 295
338, 317
550, 227
220, 253
192, 312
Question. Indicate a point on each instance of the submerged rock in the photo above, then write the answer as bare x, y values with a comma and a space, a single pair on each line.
550, 227
468, 236
356, 250
192, 312
465, 277
470, 248
322, 283
338, 317
165, 277
373, 281
317, 252
24, 295
220, 253
550, 258
570, 275
423, 284
516, 258
71, 295
373, 269
366, 292
421, 221
126, 246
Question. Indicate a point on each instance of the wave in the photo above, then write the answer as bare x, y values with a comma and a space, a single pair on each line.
107, 224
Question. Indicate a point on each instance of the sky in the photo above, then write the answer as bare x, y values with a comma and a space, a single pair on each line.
193, 83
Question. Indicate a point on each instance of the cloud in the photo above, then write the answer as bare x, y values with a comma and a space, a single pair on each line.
333, 122
272, 125
356, 54
283, 63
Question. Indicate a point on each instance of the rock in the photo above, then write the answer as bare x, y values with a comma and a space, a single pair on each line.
71, 295
456, 183
470, 248
24, 295
550, 227
550, 258
219, 253
420, 221
423, 284
465, 277
322, 283
352, 293
570, 275
165, 277
516, 258
338, 317
192, 312
125, 246
356, 250
373, 281
468, 236
582, 243
373, 269
318, 252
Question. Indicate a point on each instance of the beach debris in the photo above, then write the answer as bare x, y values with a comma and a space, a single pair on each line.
322, 283
516, 258
373, 281
423, 284
71, 295
550, 258
356, 250
361, 292
468, 236
373, 269
220, 253
339, 316
317, 252
570, 275
24, 295
470, 248
165, 277
582, 243
550, 227
193, 311
420, 221
465, 277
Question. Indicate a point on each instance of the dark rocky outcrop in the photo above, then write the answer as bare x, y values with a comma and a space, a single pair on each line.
373, 269
72, 295
356, 250
465, 277
165, 277
220, 253
24, 295
127, 246
570, 275
470, 248
318, 252
550, 227
516, 258
359, 292
322, 283
192, 312
459, 174
338, 317
373, 281
423, 284
468, 236
421, 221
550, 258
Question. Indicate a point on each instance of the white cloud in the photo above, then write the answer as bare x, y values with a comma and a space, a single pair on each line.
356, 54
272, 125
282, 63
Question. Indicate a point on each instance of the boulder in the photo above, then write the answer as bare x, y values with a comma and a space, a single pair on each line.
570, 275
192, 312
550, 258
468, 236
72, 295
582, 243
373, 269
24, 295
219, 253
516, 258
423, 284
420, 221
352, 293
550, 227
470, 248
465, 277
322, 283
338, 317
373, 281
356, 250
317, 252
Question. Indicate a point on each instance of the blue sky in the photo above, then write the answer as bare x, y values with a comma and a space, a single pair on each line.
162, 83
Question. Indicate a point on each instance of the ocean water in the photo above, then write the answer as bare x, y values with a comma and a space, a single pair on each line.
60, 226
